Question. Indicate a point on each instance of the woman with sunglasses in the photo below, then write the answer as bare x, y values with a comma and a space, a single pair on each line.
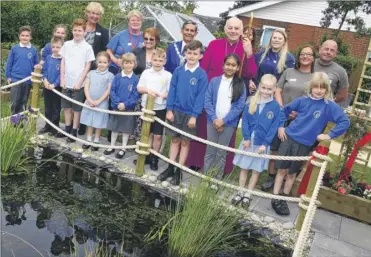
151, 38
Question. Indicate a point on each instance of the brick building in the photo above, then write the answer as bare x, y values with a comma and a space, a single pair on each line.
301, 21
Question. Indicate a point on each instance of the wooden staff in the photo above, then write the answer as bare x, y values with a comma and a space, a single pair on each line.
244, 54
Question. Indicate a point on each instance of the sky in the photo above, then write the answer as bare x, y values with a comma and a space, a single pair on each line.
212, 8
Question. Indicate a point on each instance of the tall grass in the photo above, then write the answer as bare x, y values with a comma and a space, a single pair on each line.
200, 227
15, 140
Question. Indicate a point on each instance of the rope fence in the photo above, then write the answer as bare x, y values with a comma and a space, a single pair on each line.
15, 83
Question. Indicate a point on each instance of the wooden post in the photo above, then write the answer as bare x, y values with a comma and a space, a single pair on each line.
144, 137
36, 77
310, 188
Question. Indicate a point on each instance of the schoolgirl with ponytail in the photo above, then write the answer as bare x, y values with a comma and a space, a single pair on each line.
224, 102
260, 121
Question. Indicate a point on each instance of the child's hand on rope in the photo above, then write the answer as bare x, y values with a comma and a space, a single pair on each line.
262, 149
246, 144
192, 123
322, 137
282, 134
121, 107
91, 102
9, 80
170, 116
51, 86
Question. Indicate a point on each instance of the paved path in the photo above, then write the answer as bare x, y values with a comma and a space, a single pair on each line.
334, 235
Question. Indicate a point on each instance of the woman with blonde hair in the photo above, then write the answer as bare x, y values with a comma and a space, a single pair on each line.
314, 111
274, 59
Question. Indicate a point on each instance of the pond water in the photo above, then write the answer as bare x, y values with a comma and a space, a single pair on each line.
63, 210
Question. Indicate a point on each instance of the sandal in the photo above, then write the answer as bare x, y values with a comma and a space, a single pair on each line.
237, 198
246, 200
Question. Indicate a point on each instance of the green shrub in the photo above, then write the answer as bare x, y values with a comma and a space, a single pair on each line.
15, 140
349, 63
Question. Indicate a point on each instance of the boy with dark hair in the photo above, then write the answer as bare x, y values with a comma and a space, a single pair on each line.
51, 80
21, 61
185, 103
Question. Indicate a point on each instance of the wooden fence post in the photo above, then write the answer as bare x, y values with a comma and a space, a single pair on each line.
144, 137
36, 82
310, 188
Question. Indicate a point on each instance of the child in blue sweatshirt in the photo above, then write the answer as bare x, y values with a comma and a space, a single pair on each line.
21, 61
60, 30
185, 103
260, 122
124, 96
51, 72
314, 111
224, 102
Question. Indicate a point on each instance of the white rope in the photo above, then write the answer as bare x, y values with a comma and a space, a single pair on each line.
84, 141
322, 157
221, 183
16, 83
303, 235
230, 149
95, 108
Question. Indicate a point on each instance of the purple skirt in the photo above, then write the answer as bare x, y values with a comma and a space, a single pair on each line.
197, 150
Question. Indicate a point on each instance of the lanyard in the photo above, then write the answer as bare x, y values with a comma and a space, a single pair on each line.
131, 42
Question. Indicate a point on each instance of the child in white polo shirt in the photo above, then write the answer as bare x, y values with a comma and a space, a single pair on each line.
156, 82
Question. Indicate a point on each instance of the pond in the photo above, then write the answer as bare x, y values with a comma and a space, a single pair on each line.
61, 209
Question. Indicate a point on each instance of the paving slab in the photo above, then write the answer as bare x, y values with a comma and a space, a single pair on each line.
356, 233
264, 206
326, 246
327, 223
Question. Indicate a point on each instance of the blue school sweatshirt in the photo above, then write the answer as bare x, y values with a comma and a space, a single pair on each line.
46, 51
51, 70
187, 91
233, 116
21, 62
124, 90
313, 116
264, 124
269, 64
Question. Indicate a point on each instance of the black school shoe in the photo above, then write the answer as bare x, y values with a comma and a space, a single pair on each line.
95, 148
154, 163
108, 151
147, 160
45, 129
120, 154
85, 146
169, 172
177, 178
280, 207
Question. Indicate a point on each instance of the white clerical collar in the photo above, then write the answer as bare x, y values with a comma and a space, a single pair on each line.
193, 69
23, 45
124, 75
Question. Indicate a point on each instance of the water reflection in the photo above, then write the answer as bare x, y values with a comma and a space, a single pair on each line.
63, 210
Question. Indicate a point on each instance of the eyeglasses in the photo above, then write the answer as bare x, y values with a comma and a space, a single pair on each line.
149, 39
306, 54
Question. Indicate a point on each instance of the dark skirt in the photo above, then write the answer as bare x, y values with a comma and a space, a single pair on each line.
122, 124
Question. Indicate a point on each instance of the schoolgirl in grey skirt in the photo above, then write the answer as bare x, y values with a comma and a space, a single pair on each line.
124, 96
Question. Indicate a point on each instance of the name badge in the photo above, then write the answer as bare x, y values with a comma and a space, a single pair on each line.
98, 33
129, 44
292, 80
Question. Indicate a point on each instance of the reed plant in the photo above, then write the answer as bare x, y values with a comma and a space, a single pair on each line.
200, 226
15, 140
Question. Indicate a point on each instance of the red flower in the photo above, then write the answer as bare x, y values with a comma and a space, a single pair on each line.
342, 190
368, 187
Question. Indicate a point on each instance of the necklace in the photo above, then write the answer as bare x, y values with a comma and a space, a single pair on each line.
181, 57
131, 42
226, 44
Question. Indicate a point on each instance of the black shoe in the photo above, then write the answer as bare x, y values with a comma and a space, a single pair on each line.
45, 130
280, 207
120, 154
60, 135
154, 163
175, 180
82, 129
85, 146
147, 160
108, 152
95, 148
268, 184
70, 140
169, 172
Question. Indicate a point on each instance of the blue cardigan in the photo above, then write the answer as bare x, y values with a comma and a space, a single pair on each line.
233, 116
265, 124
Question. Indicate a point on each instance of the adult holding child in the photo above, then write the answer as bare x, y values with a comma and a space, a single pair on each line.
212, 63
126, 41
291, 85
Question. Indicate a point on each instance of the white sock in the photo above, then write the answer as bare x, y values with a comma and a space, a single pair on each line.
114, 136
125, 139
96, 140
88, 138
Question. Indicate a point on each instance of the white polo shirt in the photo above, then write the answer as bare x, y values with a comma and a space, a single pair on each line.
158, 81
76, 55
223, 102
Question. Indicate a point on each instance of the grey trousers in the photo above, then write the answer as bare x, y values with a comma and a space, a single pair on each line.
215, 157
18, 97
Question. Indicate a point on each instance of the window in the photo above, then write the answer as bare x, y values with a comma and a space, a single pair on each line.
266, 35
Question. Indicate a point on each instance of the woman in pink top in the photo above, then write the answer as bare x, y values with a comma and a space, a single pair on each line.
212, 63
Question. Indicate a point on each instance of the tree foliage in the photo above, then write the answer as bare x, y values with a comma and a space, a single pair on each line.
341, 9
236, 5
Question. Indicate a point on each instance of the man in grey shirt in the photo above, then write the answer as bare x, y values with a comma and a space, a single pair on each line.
337, 74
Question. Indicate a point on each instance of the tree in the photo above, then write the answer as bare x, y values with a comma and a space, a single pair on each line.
236, 5
341, 10
185, 6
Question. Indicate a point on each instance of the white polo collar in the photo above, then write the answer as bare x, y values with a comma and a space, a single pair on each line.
27, 46
56, 57
124, 75
193, 69
153, 71
226, 79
